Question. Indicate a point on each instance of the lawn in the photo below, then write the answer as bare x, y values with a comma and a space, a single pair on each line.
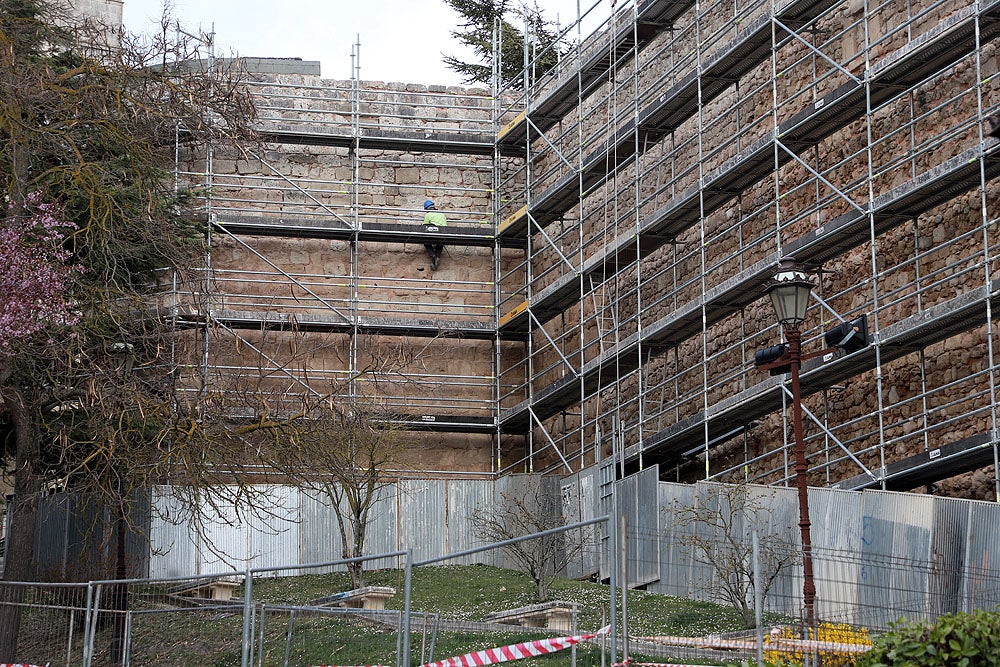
163, 635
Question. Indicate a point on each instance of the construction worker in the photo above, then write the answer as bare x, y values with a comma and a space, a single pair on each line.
433, 219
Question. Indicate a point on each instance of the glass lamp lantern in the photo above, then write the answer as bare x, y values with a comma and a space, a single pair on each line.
789, 290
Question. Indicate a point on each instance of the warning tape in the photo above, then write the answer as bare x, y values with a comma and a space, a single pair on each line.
505, 653
516, 651
774, 644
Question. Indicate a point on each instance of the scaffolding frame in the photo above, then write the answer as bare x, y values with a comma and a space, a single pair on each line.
353, 137
640, 332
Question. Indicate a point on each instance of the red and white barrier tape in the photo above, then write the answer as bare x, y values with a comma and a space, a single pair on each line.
493, 656
775, 644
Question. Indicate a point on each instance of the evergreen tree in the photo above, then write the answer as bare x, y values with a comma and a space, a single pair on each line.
479, 19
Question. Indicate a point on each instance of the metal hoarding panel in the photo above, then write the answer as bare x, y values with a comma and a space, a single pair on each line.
526, 488
464, 498
593, 554
948, 545
645, 565
776, 517
382, 529
982, 557
836, 537
422, 517
52, 528
569, 501
319, 538
675, 556
895, 543
704, 501
172, 551
274, 533
224, 539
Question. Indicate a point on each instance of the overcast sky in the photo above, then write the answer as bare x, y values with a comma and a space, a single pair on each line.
401, 40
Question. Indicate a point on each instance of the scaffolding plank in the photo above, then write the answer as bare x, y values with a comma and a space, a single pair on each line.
445, 423
337, 323
928, 467
419, 141
652, 18
328, 227
412, 422
916, 332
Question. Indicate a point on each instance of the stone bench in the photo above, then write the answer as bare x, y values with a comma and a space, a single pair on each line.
553, 615
220, 590
369, 597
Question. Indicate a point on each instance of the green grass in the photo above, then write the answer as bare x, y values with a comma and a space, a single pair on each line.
471, 592
212, 638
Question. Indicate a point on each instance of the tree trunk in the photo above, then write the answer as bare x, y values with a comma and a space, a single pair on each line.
119, 594
24, 516
357, 568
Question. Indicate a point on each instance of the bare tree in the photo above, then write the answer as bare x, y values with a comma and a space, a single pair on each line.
352, 447
519, 514
339, 437
717, 532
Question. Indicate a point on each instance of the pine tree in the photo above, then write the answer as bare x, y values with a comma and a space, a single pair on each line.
480, 18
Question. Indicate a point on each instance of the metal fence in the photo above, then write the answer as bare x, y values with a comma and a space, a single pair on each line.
414, 610
877, 557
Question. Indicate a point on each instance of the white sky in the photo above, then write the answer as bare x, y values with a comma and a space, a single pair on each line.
401, 40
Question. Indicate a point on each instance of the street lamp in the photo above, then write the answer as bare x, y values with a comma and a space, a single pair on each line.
789, 290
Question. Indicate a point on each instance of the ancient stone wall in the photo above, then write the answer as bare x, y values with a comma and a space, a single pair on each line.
311, 291
928, 398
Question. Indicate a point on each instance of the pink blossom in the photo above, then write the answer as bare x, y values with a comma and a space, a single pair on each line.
35, 273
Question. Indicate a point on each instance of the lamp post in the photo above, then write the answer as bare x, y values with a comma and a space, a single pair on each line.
789, 290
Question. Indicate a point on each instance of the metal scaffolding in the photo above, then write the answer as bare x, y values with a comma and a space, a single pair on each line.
315, 253
675, 155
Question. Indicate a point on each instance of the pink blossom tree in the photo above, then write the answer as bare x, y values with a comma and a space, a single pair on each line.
35, 273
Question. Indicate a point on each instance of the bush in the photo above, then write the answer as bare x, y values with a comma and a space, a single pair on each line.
957, 640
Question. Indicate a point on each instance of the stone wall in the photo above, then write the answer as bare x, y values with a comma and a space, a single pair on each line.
108, 12
301, 281
908, 269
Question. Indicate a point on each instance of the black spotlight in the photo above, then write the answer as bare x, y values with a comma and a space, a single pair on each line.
849, 336
993, 123
772, 354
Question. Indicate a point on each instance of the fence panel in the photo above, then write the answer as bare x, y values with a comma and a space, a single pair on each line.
464, 497
49, 621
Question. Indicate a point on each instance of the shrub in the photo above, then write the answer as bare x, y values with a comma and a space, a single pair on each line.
956, 640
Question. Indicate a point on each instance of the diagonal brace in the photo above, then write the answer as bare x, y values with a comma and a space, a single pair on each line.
819, 176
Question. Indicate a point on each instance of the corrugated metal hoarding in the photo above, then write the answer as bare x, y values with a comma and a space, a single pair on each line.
638, 505
982, 559
578, 494
675, 556
464, 498
895, 529
862, 541
836, 520
948, 547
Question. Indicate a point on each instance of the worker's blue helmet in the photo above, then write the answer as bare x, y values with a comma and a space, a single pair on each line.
428, 204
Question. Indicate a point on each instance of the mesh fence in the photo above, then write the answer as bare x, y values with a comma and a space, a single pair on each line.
507, 599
